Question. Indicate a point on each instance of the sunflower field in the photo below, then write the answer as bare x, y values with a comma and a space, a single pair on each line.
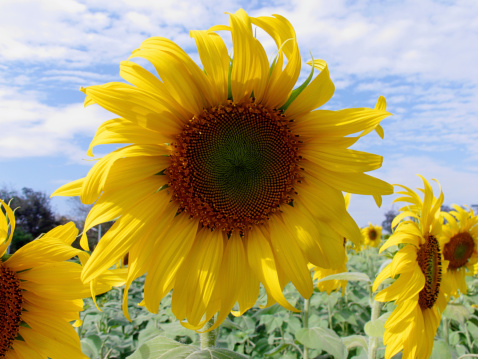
339, 324
232, 238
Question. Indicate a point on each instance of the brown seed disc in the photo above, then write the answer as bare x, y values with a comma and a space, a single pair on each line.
372, 234
234, 165
429, 260
11, 300
459, 250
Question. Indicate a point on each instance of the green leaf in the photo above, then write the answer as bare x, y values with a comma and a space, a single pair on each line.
322, 339
457, 312
163, 348
375, 328
91, 346
215, 353
354, 341
454, 338
294, 324
272, 322
441, 350
349, 276
148, 334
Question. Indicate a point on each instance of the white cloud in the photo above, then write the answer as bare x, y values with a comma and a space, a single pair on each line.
459, 185
418, 54
33, 129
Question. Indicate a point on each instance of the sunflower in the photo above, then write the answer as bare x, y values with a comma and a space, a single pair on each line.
231, 178
41, 293
372, 235
331, 285
459, 241
417, 292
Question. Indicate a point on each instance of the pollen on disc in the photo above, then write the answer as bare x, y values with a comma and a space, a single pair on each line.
234, 165
11, 301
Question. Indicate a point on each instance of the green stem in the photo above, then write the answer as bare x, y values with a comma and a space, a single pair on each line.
208, 339
330, 313
445, 329
306, 324
373, 341
468, 339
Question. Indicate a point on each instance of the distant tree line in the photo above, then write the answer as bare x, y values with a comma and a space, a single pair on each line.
34, 216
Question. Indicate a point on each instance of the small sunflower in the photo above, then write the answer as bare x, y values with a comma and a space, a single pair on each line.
331, 285
41, 293
232, 178
417, 292
372, 235
459, 241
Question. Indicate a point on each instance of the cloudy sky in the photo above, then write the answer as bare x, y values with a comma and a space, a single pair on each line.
421, 55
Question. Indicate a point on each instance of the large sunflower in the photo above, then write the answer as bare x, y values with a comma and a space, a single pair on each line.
372, 235
41, 293
459, 241
232, 179
417, 292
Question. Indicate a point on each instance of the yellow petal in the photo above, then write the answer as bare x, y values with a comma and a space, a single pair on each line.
4, 227
261, 260
121, 130
338, 123
138, 106
170, 254
70, 189
195, 281
215, 59
234, 269
119, 238
250, 67
359, 183
182, 77
290, 257
281, 82
317, 93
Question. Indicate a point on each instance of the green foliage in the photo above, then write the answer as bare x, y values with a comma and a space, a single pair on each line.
339, 325
19, 239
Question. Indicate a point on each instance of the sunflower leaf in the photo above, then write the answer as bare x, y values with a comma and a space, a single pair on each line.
322, 339
375, 328
354, 341
163, 348
215, 353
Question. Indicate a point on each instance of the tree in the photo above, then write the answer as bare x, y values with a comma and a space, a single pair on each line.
387, 223
33, 214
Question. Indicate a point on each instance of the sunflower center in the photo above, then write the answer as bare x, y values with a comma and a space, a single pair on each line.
372, 234
459, 250
234, 165
11, 300
429, 260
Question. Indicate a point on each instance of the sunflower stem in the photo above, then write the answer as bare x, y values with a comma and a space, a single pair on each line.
468, 339
445, 329
208, 339
373, 341
329, 310
306, 324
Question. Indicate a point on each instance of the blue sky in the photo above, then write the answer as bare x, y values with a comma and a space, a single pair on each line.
421, 55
